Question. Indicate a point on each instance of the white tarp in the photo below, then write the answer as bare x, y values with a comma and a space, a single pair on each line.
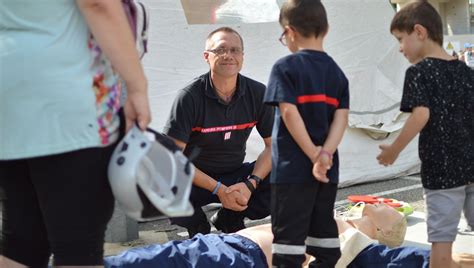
358, 39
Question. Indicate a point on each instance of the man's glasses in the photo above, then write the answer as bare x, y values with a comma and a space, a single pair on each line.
282, 38
234, 51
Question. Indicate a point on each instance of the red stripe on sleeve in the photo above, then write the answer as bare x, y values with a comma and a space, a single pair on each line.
317, 98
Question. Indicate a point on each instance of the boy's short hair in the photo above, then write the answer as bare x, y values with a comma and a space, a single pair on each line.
209, 42
395, 236
420, 12
308, 17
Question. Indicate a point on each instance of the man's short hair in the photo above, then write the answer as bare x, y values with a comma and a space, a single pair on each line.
422, 13
395, 236
307, 17
209, 42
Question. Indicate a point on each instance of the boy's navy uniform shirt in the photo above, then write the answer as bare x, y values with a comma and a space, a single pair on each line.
200, 118
446, 143
313, 82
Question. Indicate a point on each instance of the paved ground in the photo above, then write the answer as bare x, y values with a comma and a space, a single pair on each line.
406, 189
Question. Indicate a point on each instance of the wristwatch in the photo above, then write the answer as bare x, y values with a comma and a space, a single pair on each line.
249, 185
256, 178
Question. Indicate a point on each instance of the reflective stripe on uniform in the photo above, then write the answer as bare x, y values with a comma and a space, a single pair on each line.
288, 249
322, 242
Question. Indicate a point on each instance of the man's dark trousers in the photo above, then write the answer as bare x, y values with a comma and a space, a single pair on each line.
258, 205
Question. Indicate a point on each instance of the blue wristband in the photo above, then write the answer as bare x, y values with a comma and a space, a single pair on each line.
218, 185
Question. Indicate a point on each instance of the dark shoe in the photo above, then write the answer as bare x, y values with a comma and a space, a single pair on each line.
203, 228
227, 221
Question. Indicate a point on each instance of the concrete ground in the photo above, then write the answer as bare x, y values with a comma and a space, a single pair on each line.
408, 189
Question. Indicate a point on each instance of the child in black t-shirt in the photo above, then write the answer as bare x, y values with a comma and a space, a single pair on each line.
312, 98
439, 94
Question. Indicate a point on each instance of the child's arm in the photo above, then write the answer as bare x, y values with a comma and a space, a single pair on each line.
414, 124
295, 125
336, 131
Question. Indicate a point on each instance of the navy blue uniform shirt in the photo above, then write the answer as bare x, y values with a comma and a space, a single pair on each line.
200, 118
313, 82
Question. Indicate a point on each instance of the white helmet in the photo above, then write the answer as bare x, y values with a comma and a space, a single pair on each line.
151, 178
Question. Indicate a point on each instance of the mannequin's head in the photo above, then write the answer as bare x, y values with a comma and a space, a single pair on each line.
391, 225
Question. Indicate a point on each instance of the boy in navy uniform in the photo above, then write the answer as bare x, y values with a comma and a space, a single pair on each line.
439, 94
311, 94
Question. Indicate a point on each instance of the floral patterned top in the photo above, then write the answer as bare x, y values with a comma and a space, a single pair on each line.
107, 89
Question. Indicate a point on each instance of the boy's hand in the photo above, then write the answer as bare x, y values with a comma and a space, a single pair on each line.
321, 166
315, 155
388, 155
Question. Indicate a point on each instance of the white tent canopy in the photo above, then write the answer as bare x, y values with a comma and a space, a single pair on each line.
358, 39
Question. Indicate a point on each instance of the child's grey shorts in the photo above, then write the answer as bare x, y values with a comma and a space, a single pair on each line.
443, 211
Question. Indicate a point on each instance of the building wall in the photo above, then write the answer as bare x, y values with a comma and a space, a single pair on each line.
454, 13
457, 17
462, 39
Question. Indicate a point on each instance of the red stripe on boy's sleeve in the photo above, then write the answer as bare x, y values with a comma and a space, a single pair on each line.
317, 98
